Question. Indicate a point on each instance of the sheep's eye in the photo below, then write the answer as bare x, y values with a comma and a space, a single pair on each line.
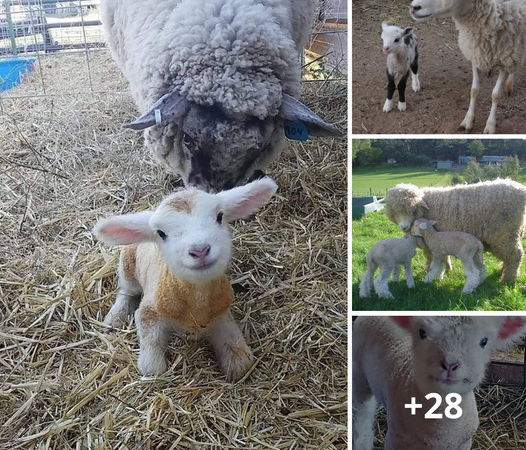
483, 342
220, 218
187, 140
396, 40
162, 234
422, 333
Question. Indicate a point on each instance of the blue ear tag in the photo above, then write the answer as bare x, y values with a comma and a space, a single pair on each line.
297, 131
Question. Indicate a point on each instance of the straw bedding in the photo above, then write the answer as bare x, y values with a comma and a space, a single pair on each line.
64, 382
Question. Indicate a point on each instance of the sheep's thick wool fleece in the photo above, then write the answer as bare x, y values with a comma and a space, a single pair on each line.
237, 54
493, 34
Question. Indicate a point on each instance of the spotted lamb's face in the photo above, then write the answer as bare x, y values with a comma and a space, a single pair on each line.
422, 10
214, 152
393, 37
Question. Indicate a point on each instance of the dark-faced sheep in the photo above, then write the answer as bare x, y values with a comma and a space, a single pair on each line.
492, 211
216, 81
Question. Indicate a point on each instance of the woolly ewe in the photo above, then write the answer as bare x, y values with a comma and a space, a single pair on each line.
395, 359
175, 258
215, 81
464, 246
491, 34
401, 47
492, 211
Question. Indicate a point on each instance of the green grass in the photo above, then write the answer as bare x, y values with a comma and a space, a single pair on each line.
442, 295
382, 177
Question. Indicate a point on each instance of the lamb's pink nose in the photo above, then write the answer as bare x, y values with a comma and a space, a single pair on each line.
449, 367
199, 251
386, 49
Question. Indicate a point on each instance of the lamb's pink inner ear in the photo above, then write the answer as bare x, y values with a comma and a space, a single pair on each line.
117, 232
511, 326
402, 321
243, 201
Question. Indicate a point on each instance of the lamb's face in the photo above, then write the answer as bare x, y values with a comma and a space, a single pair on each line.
193, 235
393, 38
214, 152
450, 353
422, 10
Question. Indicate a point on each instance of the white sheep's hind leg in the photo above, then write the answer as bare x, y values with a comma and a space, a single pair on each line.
154, 335
495, 97
472, 276
367, 279
126, 303
508, 85
434, 270
409, 275
467, 123
234, 355
396, 273
380, 284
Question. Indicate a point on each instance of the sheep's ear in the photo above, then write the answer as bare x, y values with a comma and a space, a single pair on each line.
407, 31
402, 321
168, 108
423, 204
125, 229
384, 25
293, 111
242, 201
433, 222
423, 226
511, 329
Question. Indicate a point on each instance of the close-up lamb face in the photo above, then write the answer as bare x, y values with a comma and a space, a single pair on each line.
422, 10
192, 233
392, 37
213, 151
450, 353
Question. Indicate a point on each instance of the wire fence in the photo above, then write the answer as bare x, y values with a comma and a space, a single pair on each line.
51, 33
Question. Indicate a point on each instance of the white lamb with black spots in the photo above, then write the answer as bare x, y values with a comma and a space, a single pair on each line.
401, 47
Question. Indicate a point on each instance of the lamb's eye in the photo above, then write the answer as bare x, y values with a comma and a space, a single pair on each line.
422, 333
483, 342
162, 234
187, 140
396, 40
220, 218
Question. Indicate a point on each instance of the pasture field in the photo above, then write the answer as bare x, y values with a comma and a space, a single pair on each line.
442, 295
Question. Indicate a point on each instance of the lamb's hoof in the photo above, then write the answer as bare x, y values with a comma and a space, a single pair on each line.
115, 320
410, 285
364, 295
464, 127
467, 291
388, 105
236, 362
402, 106
416, 87
386, 296
151, 362
489, 129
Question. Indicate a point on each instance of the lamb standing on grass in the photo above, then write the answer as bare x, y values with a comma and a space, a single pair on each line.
216, 81
464, 246
175, 257
492, 211
401, 48
390, 255
491, 34
395, 359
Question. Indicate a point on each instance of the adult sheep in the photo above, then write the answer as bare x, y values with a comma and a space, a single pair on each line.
492, 211
215, 81
491, 34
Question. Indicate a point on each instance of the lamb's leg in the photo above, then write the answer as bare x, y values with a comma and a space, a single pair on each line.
367, 279
508, 85
478, 260
391, 87
126, 303
467, 123
380, 284
409, 275
395, 277
495, 97
363, 412
401, 92
154, 335
234, 356
472, 275
415, 82
436, 267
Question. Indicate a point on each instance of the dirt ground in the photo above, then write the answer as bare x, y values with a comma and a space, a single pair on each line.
445, 77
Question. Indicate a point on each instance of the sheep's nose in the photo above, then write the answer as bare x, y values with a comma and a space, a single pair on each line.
449, 367
386, 49
199, 251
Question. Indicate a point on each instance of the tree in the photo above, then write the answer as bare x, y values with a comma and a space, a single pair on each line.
510, 168
472, 173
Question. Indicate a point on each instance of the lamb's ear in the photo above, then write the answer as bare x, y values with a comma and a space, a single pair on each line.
422, 226
242, 201
433, 222
125, 229
510, 330
293, 110
402, 321
168, 108
384, 25
407, 31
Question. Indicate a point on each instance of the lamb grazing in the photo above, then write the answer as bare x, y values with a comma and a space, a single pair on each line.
398, 358
175, 257
401, 48
492, 211
216, 81
464, 246
491, 34
390, 255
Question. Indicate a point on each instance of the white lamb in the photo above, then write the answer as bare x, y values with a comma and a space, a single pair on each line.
401, 47
491, 34
216, 81
390, 255
464, 246
176, 257
398, 358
